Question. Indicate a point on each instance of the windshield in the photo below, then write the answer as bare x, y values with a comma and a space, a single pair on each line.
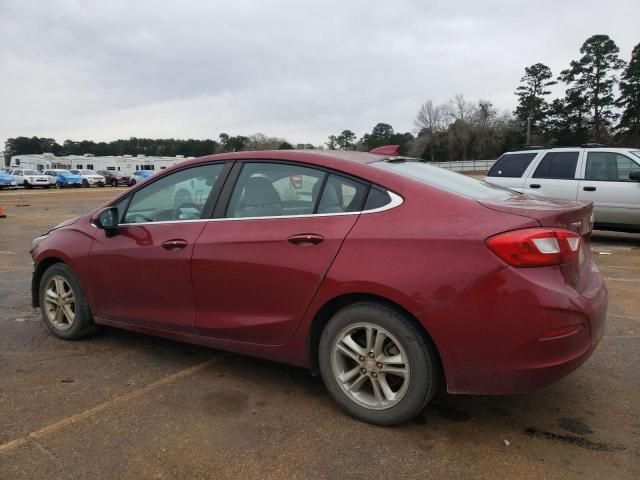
62, 172
447, 180
31, 172
87, 172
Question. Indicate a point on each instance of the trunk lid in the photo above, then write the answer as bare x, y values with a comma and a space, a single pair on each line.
574, 216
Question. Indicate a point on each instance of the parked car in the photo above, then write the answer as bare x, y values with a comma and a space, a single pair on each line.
387, 275
114, 178
608, 177
7, 180
89, 178
64, 178
139, 176
30, 178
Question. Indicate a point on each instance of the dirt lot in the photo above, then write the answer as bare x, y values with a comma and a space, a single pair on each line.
122, 405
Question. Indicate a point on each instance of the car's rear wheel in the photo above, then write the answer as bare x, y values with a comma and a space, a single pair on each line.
65, 310
376, 364
59, 185
85, 183
114, 183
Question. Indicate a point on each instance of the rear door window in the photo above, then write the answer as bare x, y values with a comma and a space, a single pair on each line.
511, 165
275, 190
558, 165
609, 167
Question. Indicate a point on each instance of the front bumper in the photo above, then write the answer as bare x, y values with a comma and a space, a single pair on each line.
518, 331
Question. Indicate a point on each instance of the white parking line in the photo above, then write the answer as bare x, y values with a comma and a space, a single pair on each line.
65, 422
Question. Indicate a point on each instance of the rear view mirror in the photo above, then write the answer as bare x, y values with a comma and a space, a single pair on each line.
107, 220
635, 175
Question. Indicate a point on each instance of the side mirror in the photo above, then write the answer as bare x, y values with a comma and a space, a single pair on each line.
635, 175
107, 220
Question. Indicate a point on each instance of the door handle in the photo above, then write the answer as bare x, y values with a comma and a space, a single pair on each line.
589, 189
306, 239
174, 245
534, 185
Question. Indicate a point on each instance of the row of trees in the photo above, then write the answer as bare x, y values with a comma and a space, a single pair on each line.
455, 130
592, 108
601, 103
148, 146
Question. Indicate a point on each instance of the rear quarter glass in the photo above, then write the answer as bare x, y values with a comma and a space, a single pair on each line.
511, 165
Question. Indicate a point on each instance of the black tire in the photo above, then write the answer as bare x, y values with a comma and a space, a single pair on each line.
85, 184
59, 185
114, 183
26, 184
422, 359
83, 324
132, 183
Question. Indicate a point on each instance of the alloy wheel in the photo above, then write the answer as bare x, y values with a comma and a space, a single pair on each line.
60, 302
371, 366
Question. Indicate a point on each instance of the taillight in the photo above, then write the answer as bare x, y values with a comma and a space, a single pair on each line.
536, 247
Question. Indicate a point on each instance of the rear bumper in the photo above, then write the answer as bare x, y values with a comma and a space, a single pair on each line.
518, 331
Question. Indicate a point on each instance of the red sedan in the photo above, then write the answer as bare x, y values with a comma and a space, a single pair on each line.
389, 276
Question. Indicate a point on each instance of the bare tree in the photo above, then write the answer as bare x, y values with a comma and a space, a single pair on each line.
460, 109
430, 120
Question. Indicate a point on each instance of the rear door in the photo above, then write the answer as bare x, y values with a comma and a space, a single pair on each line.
509, 170
606, 183
555, 176
258, 265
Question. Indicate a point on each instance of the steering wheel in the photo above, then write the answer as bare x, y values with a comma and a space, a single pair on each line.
177, 212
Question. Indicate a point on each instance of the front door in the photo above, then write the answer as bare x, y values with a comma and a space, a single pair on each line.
256, 270
143, 274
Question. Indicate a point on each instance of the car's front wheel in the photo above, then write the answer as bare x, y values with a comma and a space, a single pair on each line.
59, 185
65, 310
376, 364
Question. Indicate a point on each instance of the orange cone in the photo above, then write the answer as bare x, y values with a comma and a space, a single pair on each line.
2, 215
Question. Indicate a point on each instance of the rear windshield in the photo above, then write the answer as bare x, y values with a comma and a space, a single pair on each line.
447, 180
511, 165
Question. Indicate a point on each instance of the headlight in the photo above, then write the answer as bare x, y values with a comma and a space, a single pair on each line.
36, 241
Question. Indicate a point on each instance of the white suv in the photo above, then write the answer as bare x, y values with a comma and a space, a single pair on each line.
89, 178
608, 177
30, 178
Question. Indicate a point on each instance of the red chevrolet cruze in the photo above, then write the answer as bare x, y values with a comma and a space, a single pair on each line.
389, 276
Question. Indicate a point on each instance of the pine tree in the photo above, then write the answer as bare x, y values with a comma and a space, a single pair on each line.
592, 77
629, 100
532, 107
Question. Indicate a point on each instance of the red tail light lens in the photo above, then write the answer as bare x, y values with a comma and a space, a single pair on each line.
536, 247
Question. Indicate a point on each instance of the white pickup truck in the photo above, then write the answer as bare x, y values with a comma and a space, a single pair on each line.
608, 177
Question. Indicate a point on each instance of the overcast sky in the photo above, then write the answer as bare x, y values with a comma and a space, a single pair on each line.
300, 69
